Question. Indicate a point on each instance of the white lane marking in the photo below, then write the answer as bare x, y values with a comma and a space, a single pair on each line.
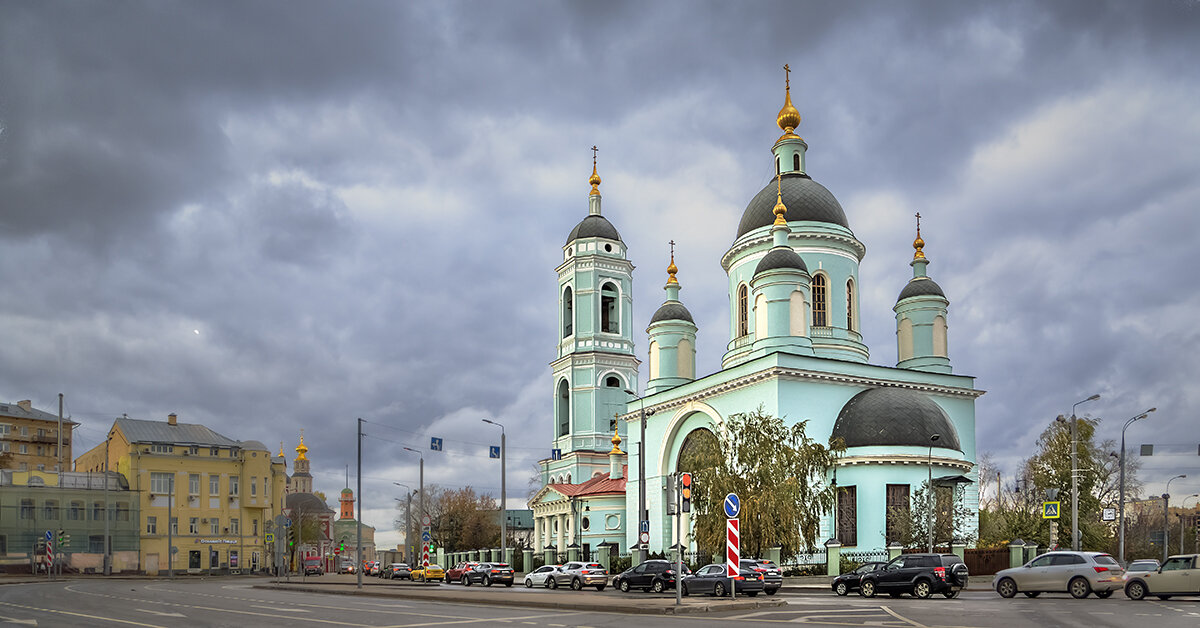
53, 610
14, 620
283, 610
901, 618
487, 620
146, 610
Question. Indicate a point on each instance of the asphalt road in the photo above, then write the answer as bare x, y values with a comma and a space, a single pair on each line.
234, 602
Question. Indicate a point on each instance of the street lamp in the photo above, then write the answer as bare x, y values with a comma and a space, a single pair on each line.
643, 514
1121, 536
407, 520
421, 503
929, 492
503, 503
1075, 476
1184, 506
1166, 513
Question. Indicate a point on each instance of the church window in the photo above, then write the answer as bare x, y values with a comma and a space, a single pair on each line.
609, 316
850, 304
743, 296
796, 313
898, 506
612, 382
847, 515
820, 307
568, 313
564, 408
939, 337
760, 316
904, 339
796, 161
776, 165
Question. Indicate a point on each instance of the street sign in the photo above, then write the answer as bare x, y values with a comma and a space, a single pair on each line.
425, 520
49, 535
733, 506
426, 536
556, 454
645, 527
270, 537
1050, 510
494, 451
287, 523
1109, 514
644, 537
435, 443
733, 542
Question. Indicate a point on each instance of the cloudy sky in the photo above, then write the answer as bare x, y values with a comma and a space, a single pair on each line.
275, 216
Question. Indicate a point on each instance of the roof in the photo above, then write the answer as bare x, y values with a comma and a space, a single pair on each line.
599, 485
306, 500
139, 431
920, 286
805, 200
780, 257
672, 311
594, 226
894, 416
15, 411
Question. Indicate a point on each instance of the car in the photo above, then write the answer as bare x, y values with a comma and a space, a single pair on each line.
455, 573
714, 580
374, 568
488, 574
1180, 575
428, 574
848, 581
398, 571
1142, 565
578, 575
653, 575
540, 577
346, 566
772, 574
920, 575
314, 566
1077, 573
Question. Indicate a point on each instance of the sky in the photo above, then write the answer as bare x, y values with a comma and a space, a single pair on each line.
276, 216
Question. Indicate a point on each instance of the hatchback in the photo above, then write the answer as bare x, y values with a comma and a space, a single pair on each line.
1180, 575
540, 577
713, 579
1077, 573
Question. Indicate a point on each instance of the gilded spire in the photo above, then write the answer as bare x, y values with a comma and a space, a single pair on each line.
595, 179
280, 449
672, 269
780, 208
616, 440
919, 244
301, 449
788, 118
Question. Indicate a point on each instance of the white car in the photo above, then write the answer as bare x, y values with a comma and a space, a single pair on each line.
541, 576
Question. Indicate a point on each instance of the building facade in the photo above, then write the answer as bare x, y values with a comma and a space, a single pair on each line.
31, 437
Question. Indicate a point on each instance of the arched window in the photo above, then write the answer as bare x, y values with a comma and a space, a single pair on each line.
685, 359
850, 304
743, 325
796, 312
776, 165
760, 316
564, 408
939, 337
612, 381
653, 359
796, 162
820, 308
568, 313
609, 315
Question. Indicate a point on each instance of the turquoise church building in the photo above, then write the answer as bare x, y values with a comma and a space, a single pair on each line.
795, 349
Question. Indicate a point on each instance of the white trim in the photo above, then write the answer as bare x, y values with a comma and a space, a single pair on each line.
677, 420
604, 375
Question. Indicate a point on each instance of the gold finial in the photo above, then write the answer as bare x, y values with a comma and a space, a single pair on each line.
919, 244
788, 118
301, 449
780, 208
616, 439
595, 179
280, 449
672, 269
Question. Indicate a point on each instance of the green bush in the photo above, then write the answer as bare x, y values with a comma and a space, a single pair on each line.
620, 563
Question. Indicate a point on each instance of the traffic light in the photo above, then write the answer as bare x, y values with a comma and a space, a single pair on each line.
41, 545
291, 536
685, 492
62, 538
66, 541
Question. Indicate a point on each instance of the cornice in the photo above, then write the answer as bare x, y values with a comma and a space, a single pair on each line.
765, 239
906, 459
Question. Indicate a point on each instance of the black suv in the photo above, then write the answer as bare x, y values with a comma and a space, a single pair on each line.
921, 575
771, 573
652, 575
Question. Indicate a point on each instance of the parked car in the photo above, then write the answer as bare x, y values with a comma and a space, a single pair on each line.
398, 571
772, 574
653, 575
1077, 573
921, 575
713, 579
314, 566
1142, 565
848, 581
540, 577
455, 573
426, 574
578, 575
1180, 575
488, 574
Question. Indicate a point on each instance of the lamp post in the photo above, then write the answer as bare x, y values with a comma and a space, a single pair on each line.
1075, 476
1184, 505
929, 492
503, 503
1166, 514
421, 485
407, 520
643, 514
1121, 465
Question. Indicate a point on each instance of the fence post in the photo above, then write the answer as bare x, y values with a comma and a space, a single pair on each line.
1016, 553
527, 560
773, 554
549, 555
833, 558
959, 549
894, 550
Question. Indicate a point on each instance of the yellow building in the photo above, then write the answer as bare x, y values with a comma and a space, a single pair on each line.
31, 437
211, 495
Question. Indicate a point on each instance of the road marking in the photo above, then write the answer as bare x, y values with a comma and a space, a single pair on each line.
51, 610
487, 620
903, 619
145, 610
284, 610
14, 620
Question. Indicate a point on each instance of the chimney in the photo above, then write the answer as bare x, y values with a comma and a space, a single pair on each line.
25, 404
171, 418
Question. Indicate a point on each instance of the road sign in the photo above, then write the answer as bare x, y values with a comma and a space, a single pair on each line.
733, 506
1109, 514
425, 520
435, 443
556, 454
270, 537
645, 527
287, 523
1050, 510
426, 536
733, 541
494, 451
49, 535
644, 537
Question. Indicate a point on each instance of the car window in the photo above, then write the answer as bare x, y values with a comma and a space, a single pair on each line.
1105, 559
1173, 564
865, 568
640, 568
1067, 559
1042, 561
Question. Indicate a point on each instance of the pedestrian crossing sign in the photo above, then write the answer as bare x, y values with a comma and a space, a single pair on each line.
1050, 510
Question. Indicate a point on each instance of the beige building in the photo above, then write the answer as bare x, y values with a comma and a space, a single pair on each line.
212, 496
31, 437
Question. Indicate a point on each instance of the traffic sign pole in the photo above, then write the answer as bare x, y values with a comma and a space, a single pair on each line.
732, 555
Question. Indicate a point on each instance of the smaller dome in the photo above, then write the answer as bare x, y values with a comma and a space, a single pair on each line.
347, 491
594, 226
672, 311
780, 257
894, 416
921, 286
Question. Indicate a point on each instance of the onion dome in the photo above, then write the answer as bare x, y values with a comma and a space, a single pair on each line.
921, 286
780, 257
594, 226
894, 416
594, 180
301, 449
616, 441
805, 199
672, 311
347, 491
788, 118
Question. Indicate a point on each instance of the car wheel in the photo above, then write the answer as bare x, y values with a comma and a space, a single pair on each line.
1135, 590
841, 589
624, 586
719, 589
1164, 597
508, 584
951, 594
657, 586
487, 581
921, 589
1007, 588
867, 589
1104, 595
1079, 587
752, 593
466, 582
528, 583
683, 589
551, 582
600, 587
576, 584
771, 591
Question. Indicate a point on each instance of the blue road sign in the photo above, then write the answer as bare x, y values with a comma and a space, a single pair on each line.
435, 443
733, 506
645, 526
494, 451
49, 535
426, 536
287, 523
556, 454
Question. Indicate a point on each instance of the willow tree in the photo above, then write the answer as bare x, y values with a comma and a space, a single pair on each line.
778, 472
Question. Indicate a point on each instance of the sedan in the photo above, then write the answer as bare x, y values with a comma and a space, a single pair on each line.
848, 582
712, 579
398, 571
1180, 575
771, 573
540, 577
1077, 573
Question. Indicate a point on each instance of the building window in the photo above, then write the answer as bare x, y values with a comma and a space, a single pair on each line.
162, 449
194, 450
898, 506
234, 481
743, 307
162, 483
174, 525
820, 306
253, 486
122, 511
96, 543
776, 165
214, 526
23, 448
194, 525
24, 431
266, 488
214, 485
610, 317
5, 429
215, 451
568, 312
796, 161
97, 511
194, 484
75, 511
847, 516
564, 408
254, 526
50, 510
151, 525
41, 450
612, 382
27, 509
234, 527
850, 304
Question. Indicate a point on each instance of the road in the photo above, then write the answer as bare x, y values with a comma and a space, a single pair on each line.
234, 602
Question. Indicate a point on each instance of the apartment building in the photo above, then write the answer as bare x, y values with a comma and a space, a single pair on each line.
30, 436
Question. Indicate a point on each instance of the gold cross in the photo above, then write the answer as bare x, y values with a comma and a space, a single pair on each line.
918, 223
787, 75
672, 243
594, 149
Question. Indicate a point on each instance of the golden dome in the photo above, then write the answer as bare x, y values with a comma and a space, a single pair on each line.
616, 441
672, 269
788, 118
919, 244
595, 178
280, 449
780, 209
301, 449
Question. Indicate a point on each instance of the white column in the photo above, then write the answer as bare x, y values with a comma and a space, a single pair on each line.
561, 525
537, 534
571, 529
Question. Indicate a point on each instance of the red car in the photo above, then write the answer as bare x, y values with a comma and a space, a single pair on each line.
455, 574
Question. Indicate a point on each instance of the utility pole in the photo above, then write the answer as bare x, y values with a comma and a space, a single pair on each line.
503, 502
60, 420
107, 569
1075, 475
358, 527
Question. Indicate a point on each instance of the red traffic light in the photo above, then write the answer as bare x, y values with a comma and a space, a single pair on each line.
686, 480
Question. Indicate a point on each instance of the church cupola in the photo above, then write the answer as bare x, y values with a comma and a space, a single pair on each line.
301, 480
779, 291
672, 338
789, 148
921, 336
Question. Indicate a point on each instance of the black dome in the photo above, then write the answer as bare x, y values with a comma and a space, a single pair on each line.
894, 416
805, 199
594, 226
921, 287
780, 257
306, 501
672, 311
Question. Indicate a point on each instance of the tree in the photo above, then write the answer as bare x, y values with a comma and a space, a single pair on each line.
305, 528
460, 519
779, 473
950, 518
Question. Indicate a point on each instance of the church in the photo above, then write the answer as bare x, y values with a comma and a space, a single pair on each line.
795, 349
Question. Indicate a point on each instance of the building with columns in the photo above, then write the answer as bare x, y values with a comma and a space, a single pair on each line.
795, 349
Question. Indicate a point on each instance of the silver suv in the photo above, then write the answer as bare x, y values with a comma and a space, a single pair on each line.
578, 575
1077, 573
